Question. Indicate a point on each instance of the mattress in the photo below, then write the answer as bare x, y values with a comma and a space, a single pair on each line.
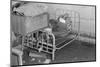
27, 24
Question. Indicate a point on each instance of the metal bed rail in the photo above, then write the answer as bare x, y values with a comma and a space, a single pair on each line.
41, 41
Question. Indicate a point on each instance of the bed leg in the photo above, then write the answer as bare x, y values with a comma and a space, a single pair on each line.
53, 55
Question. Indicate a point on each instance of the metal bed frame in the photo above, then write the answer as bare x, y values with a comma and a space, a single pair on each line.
44, 41
48, 45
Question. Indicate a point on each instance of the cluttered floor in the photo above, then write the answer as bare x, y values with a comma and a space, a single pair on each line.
76, 51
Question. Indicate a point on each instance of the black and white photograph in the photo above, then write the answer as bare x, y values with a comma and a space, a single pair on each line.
51, 33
